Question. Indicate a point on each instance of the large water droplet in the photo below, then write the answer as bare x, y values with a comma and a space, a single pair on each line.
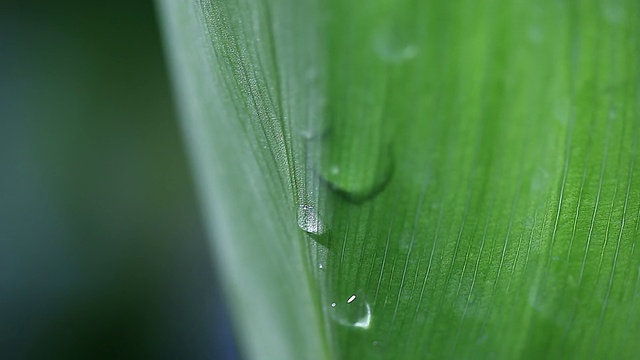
358, 175
309, 220
353, 311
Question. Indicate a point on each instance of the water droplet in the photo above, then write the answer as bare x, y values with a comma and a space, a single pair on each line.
394, 46
357, 176
309, 220
321, 267
315, 129
354, 312
395, 54
375, 343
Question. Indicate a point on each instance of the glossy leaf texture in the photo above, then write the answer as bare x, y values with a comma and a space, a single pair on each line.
418, 179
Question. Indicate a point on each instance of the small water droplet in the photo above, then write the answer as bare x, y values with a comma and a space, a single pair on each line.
375, 343
321, 267
309, 220
393, 46
315, 129
354, 312
395, 54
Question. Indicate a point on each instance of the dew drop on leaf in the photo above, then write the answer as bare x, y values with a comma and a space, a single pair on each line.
359, 177
353, 311
309, 220
391, 50
394, 41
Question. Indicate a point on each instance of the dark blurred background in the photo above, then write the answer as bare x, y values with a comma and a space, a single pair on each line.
102, 252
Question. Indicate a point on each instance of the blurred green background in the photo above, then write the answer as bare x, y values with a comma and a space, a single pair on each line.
102, 253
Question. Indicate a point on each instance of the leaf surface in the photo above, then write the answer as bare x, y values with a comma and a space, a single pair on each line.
418, 179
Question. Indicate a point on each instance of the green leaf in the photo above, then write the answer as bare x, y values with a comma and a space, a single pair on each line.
418, 179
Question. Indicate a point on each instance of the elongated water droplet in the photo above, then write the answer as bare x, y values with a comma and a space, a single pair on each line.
309, 220
313, 126
357, 175
355, 155
352, 311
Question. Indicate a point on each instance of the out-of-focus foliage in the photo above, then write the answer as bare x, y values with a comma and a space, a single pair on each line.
101, 248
